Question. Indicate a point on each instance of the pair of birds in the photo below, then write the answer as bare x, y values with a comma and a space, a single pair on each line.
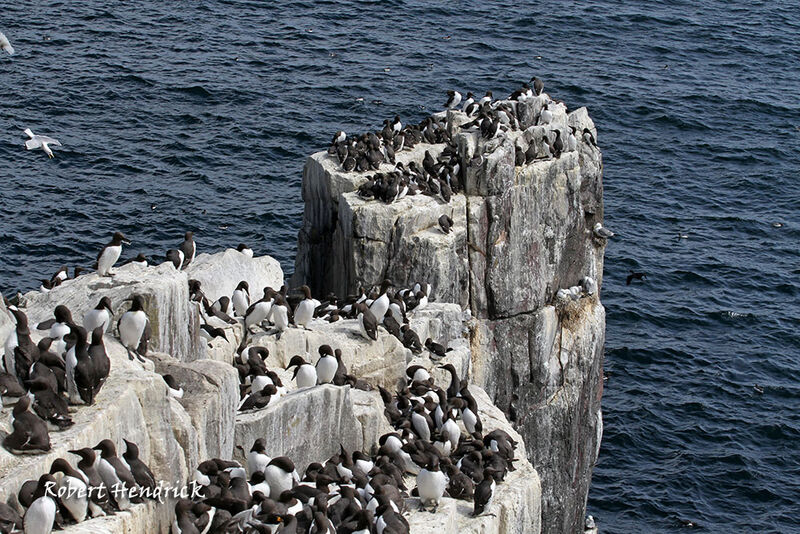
110, 253
97, 486
35, 141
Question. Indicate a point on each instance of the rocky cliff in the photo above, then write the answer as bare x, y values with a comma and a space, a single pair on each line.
175, 435
520, 233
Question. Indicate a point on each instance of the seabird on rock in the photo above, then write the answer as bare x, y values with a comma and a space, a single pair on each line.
588, 137
99, 316
140, 260
175, 257
572, 141
257, 458
133, 327
100, 362
115, 474
280, 475
241, 299
453, 99
141, 473
601, 232
431, 483
29, 432
41, 514
545, 116
305, 374
484, 492
188, 248
304, 311
327, 365
436, 349
5, 44
468, 102
109, 254
367, 323
175, 390
75, 499
259, 310
279, 316
244, 249
40, 141
538, 86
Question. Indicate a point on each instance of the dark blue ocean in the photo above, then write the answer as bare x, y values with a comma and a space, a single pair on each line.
199, 115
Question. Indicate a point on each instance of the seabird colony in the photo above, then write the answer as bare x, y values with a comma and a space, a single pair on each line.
443, 175
438, 436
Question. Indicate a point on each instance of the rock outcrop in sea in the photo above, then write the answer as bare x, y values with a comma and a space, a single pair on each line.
533, 360
520, 234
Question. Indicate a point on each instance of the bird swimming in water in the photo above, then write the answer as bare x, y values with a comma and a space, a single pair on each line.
41, 141
635, 276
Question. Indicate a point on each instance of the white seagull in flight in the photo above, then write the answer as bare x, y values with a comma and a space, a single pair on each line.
6, 45
40, 141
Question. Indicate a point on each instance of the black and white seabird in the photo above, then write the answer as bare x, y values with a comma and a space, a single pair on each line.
109, 254
140, 260
538, 86
241, 299
305, 374
635, 276
259, 310
304, 311
367, 323
75, 498
381, 304
141, 473
445, 223
99, 316
257, 458
101, 364
188, 249
484, 492
244, 249
29, 432
453, 99
174, 389
115, 474
132, 328
175, 257
327, 365
431, 484
588, 137
41, 514
280, 475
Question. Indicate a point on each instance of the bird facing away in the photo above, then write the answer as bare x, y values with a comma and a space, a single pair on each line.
40, 141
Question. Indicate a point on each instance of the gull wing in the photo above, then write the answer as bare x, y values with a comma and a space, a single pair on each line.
48, 140
30, 144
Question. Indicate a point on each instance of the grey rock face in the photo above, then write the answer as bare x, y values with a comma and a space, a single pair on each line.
520, 234
173, 318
